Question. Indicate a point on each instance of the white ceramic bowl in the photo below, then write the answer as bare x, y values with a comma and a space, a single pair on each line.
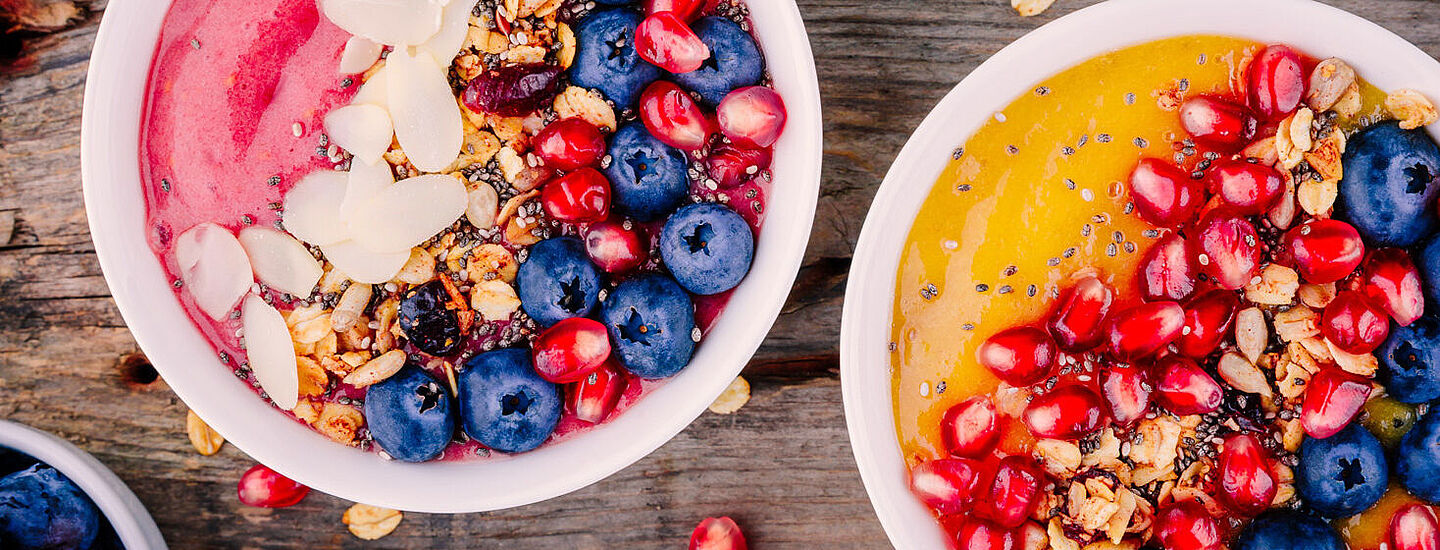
1381, 57
133, 525
114, 94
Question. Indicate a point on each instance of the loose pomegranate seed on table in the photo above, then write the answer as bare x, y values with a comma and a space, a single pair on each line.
1333, 399
1078, 320
1354, 323
1020, 356
1324, 251
265, 488
1246, 481
1217, 122
717, 534
971, 428
1067, 412
1164, 195
1167, 271
1391, 280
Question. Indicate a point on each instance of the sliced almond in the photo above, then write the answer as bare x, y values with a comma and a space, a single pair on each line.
271, 352
214, 268
312, 208
364, 130
734, 397
205, 439
371, 522
1317, 197
375, 90
280, 261
1362, 364
422, 107
454, 24
409, 212
359, 54
1243, 375
363, 265
1029, 8
389, 22
363, 182
377, 369
1250, 333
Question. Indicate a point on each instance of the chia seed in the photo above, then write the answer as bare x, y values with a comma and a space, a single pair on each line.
165, 185
1006, 289
1130, 99
1013, 150
982, 287
1141, 143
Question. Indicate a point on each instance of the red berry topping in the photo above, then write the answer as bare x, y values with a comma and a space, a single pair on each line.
717, 534
570, 144
594, 397
949, 485
752, 117
266, 488
513, 90
1354, 324
570, 350
686, 10
1207, 321
1250, 188
672, 116
582, 196
1414, 528
1227, 248
1020, 356
1137, 332
1217, 123
1127, 392
1167, 272
1183, 388
1186, 525
1015, 491
1067, 412
1275, 82
1078, 321
731, 166
978, 534
1333, 399
971, 428
616, 247
1325, 251
1247, 484
666, 41
1391, 280
1164, 195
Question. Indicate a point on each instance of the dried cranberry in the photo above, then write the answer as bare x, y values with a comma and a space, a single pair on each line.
516, 90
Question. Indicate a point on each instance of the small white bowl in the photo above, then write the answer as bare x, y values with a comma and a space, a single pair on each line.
114, 93
1380, 57
133, 525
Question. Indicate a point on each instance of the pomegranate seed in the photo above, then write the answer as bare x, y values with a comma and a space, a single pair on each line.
666, 41
1183, 388
1217, 123
978, 534
1354, 324
1414, 527
1207, 320
752, 117
1227, 248
1164, 195
1014, 492
686, 10
1391, 280
570, 350
570, 144
1247, 485
616, 247
1142, 330
581, 196
971, 428
949, 485
594, 397
1324, 251
1166, 272
1185, 525
1067, 412
1275, 82
731, 166
1127, 391
672, 116
1020, 356
717, 534
266, 488
1333, 399
1250, 188
1078, 322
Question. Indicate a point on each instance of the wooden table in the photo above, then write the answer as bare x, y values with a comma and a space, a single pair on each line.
781, 466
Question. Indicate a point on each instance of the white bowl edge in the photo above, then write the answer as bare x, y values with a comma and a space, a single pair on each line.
1380, 57
110, 169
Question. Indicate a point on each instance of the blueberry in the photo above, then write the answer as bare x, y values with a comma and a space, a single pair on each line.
651, 323
1418, 458
1391, 180
1281, 529
734, 61
1429, 266
410, 415
605, 57
647, 176
1410, 361
40, 508
1342, 475
505, 405
427, 323
708, 247
557, 281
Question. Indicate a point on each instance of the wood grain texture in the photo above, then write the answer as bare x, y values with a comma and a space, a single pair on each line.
782, 465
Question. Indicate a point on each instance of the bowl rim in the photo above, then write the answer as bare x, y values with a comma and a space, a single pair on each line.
110, 171
127, 515
1382, 57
